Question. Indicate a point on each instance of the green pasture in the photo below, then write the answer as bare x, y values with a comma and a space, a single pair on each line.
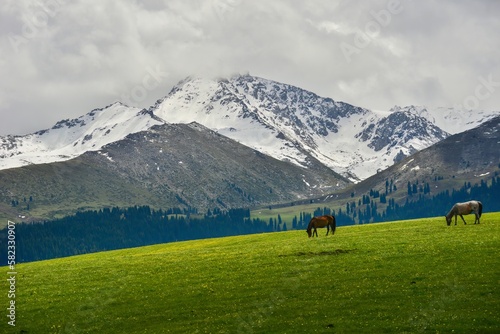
417, 276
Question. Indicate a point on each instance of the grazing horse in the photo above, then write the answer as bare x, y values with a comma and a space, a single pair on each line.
465, 208
322, 221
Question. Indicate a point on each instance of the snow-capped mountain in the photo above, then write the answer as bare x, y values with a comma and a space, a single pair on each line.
289, 123
70, 138
279, 120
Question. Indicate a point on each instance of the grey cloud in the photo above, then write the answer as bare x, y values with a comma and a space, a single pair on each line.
70, 57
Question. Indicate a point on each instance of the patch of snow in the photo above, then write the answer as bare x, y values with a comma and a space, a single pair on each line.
106, 155
406, 164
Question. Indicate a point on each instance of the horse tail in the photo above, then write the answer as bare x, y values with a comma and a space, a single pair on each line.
480, 210
334, 224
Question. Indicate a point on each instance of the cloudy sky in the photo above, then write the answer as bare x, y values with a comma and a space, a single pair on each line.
61, 58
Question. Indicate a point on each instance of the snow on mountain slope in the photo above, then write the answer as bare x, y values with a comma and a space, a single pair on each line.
280, 120
220, 106
289, 123
70, 138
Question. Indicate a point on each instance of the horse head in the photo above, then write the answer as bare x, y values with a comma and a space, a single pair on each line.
448, 220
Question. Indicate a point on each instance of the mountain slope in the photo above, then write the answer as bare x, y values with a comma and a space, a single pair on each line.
169, 165
70, 138
465, 157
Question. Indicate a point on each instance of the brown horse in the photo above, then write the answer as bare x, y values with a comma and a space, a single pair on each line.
322, 221
460, 209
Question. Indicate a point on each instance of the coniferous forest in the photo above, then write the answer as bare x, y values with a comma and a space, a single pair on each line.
116, 228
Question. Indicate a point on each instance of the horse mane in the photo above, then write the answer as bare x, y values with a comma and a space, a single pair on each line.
452, 211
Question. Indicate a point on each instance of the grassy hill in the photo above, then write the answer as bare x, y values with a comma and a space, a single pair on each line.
416, 276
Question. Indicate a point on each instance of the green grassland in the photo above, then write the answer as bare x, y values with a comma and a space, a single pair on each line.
417, 276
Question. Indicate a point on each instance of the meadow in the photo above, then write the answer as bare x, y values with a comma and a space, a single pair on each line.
417, 276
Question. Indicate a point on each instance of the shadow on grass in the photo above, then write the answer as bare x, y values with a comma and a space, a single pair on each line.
323, 253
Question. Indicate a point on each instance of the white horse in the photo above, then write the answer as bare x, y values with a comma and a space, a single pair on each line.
465, 208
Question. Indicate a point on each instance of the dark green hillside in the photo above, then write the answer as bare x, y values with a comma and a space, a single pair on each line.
408, 277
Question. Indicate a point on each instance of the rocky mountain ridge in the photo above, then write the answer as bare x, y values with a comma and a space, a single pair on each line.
276, 119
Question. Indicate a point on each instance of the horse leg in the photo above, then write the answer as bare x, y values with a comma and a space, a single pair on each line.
463, 219
315, 231
327, 229
456, 216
